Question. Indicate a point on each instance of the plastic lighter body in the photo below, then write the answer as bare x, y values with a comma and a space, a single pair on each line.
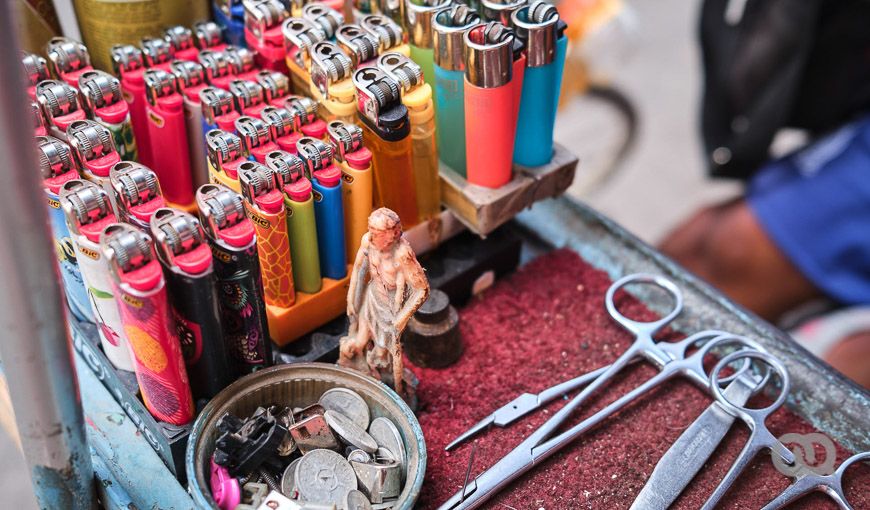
60, 106
263, 19
264, 203
58, 167
94, 151
305, 112
418, 21
190, 281
190, 81
105, 103
331, 82
231, 237
325, 176
225, 153
137, 193
355, 162
300, 35
68, 59
417, 98
449, 27
168, 132
230, 16
140, 292
386, 129
301, 224
183, 43
87, 211
129, 65
539, 27
493, 82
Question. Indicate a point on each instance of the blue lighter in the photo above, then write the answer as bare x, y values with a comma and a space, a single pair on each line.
543, 34
230, 16
325, 178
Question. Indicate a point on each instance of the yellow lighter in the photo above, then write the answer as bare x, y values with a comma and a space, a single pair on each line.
355, 162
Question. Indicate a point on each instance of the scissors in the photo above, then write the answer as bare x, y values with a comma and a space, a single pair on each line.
671, 358
807, 482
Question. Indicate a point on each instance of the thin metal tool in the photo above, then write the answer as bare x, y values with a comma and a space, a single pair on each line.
807, 482
468, 471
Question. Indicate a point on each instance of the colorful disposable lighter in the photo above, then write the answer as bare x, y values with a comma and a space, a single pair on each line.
190, 282
218, 70
539, 27
387, 129
94, 151
60, 106
230, 16
59, 167
190, 81
264, 202
325, 178
218, 110
249, 97
493, 80
37, 119
390, 35
140, 292
323, 16
243, 62
500, 10
362, 46
225, 153
417, 97
87, 211
356, 175
393, 9
157, 52
230, 235
331, 82
263, 19
103, 99
282, 124
36, 70
256, 138
137, 193
418, 17
168, 133
305, 109
69, 59
129, 64
182, 42
276, 87
208, 35
299, 36
301, 226
450, 26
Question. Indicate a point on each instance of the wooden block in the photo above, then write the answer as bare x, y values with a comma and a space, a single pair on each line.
483, 210
309, 312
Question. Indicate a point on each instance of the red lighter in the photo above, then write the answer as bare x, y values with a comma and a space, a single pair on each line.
218, 109
208, 35
136, 192
276, 87
218, 69
129, 64
36, 70
243, 62
250, 98
69, 59
60, 106
305, 111
255, 137
181, 40
282, 124
263, 19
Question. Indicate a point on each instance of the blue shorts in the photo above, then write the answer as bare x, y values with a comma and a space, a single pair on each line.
815, 206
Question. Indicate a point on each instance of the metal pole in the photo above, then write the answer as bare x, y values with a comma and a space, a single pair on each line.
34, 344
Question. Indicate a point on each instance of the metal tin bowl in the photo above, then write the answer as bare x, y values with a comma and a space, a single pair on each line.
301, 384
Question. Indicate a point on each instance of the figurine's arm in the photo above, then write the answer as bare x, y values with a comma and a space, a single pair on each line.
414, 277
357, 276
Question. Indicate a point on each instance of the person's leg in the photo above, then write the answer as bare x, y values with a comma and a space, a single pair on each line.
726, 246
850, 356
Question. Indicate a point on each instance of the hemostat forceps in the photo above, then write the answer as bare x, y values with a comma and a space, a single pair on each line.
807, 482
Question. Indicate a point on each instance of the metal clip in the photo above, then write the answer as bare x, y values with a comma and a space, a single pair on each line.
247, 94
223, 147
345, 138
35, 67
84, 202
405, 71
220, 207
179, 37
175, 232
156, 51
360, 44
301, 34
99, 89
329, 64
90, 140
55, 157
133, 184
126, 58
67, 55
280, 121
126, 248
187, 74
288, 168
158, 83
256, 180
376, 91
56, 98
261, 15
387, 31
305, 109
253, 132
215, 102
316, 154
275, 84
241, 59
207, 34
327, 19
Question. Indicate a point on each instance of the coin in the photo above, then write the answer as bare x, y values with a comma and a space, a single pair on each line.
356, 500
387, 435
324, 476
349, 432
348, 403
359, 456
288, 480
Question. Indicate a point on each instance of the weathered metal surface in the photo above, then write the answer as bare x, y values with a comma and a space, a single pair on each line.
825, 398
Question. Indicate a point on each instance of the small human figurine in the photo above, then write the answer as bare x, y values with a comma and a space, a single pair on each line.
387, 285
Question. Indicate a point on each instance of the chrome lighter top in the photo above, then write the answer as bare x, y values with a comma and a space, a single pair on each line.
219, 207
215, 63
387, 31
253, 132
99, 89
35, 67
376, 91
329, 64
90, 140
55, 157
126, 248
538, 26
489, 55
187, 74
324, 17
215, 102
405, 71
223, 147
207, 34
500, 10
156, 50
158, 83
315, 154
281, 121
241, 59
275, 84
247, 94
300, 35
305, 109
66, 55
175, 232
179, 37
36, 114
83, 203
361, 45
288, 168
450, 26
133, 184
418, 19
56, 98
256, 180
126, 57
345, 138
261, 15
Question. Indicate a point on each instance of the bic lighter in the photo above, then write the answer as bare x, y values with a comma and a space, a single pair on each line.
69, 59
301, 227
225, 154
190, 82
230, 16
190, 281
140, 292
325, 179
94, 151
157, 52
208, 35
386, 129
233, 244
305, 110
249, 97
218, 110
263, 19
276, 87
299, 36
283, 125
417, 98
129, 65
355, 162
331, 83
137, 193
418, 20
265, 205
218, 69
539, 27
60, 106
59, 167
256, 139
103, 99
182, 42
323, 16
362, 46
242, 62
168, 132
450, 26
87, 211
390, 35
36, 70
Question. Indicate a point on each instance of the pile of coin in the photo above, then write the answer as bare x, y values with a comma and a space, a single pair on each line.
329, 455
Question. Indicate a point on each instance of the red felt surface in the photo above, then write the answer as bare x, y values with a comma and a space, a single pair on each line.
546, 324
